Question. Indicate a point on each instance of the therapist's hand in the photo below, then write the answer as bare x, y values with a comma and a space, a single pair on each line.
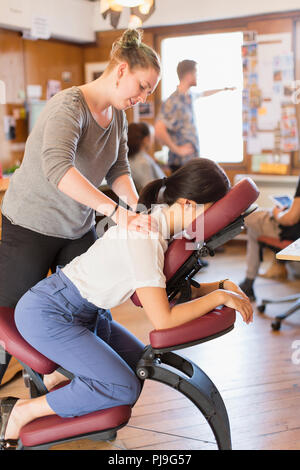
142, 223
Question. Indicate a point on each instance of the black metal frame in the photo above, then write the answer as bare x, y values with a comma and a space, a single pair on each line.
190, 381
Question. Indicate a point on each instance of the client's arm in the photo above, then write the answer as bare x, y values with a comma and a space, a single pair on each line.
207, 287
289, 216
156, 306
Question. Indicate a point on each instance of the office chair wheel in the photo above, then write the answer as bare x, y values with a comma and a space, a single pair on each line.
261, 308
276, 325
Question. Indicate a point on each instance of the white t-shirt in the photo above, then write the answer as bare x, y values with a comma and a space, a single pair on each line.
110, 271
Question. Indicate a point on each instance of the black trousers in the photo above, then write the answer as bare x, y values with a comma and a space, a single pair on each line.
26, 257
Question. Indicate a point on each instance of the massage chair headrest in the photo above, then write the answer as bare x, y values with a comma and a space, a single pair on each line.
218, 216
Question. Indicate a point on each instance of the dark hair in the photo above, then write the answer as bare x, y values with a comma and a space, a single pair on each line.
130, 48
137, 131
200, 180
184, 67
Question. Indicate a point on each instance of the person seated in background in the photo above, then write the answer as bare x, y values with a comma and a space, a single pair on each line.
283, 223
143, 167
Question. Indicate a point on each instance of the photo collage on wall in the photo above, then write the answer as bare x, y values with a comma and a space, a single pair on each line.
269, 112
251, 92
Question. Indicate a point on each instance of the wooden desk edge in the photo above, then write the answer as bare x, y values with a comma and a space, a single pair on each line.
288, 257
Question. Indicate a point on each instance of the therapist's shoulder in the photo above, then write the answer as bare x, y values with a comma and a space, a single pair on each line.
69, 102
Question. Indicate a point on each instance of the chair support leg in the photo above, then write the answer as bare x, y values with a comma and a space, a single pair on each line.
4, 361
291, 310
288, 298
193, 383
34, 382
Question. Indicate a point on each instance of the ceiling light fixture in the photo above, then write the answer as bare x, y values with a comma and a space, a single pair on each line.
140, 11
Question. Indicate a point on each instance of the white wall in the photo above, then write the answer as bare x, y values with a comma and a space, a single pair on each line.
68, 19
77, 20
170, 12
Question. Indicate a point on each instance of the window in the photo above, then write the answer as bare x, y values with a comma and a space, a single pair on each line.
219, 116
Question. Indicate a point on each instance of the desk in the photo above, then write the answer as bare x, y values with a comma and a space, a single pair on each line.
291, 252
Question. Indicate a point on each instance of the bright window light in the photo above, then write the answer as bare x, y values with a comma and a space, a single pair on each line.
219, 116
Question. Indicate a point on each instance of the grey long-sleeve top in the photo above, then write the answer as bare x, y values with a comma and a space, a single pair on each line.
65, 135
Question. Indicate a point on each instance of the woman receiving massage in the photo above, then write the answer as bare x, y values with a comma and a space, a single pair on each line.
58, 315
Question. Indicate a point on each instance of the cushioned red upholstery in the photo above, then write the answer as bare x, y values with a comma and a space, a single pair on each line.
217, 217
275, 242
54, 428
16, 345
210, 324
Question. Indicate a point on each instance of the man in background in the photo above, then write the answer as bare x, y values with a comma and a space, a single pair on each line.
176, 125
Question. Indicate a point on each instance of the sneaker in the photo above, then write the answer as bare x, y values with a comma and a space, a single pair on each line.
247, 288
276, 271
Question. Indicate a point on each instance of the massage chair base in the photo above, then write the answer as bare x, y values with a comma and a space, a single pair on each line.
158, 362
183, 375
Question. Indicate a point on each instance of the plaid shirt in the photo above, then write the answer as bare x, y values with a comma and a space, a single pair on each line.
177, 113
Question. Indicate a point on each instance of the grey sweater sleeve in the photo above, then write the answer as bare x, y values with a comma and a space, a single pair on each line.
61, 134
121, 166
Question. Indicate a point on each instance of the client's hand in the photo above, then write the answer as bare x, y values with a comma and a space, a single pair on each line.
239, 302
277, 210
229, 285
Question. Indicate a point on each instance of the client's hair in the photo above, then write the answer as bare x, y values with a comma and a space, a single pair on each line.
137, 131
200, 180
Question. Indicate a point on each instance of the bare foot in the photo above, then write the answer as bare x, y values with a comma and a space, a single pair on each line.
14, 423
51, 380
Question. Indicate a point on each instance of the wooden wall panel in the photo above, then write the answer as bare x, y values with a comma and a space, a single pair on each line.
46, 60
12, 65
12, 74
271, 26
22, 63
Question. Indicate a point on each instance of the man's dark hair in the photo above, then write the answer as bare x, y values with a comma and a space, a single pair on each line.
184, 67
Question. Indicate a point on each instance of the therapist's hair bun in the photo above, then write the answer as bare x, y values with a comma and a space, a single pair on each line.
131, 38
131, 49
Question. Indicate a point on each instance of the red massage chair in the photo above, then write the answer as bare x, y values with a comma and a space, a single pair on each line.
222, 222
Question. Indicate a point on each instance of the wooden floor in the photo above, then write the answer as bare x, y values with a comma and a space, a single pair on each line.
254, 368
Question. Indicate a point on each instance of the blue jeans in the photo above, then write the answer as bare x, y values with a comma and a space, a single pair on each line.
101, 354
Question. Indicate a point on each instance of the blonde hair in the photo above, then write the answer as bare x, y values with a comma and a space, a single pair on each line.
130, 48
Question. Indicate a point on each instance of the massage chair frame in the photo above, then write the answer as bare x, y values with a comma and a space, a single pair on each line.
162, 364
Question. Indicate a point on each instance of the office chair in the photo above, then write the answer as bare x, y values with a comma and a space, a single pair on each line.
276, 245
